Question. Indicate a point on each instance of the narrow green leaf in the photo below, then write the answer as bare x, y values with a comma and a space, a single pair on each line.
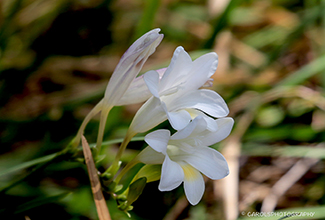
28, 164
322, 49
309, 17
148, 17
50, 157
307, 71
221, 22
254, 149
39, 201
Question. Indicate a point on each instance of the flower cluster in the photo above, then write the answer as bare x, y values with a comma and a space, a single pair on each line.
176, 94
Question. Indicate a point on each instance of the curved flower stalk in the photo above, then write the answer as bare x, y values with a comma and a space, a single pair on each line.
121, 79
185, 155
177, 97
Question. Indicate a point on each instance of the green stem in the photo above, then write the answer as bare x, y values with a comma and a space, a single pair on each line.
90, 115
131, 164
103, 118
129, 135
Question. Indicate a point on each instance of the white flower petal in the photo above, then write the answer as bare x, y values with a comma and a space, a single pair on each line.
150, 156
205, 100
209, 162
191, 130
201, 71
137, 92
177, 71
211, 123
224, 128
193, 184
200, 127
148, 116
177, 119
172, 175
158, 140
185, 132
152, 81
161, 72
208, 61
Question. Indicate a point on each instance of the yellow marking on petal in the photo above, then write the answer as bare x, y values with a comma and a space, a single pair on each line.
192, 112
173, 151
190, 173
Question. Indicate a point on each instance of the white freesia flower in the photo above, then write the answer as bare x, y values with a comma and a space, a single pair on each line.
124, 74
185, 155
177, 97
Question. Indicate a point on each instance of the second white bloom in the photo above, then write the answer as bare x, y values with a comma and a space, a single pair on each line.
185, 155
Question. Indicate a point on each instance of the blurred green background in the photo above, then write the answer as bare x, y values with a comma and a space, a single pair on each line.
56, 57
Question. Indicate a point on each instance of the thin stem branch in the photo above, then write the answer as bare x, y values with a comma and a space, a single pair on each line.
102, 123
89, 116
129, 165
113, 169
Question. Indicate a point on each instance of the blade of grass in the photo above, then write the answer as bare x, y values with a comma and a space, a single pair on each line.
50, 157
58, 156
323, 46
309, 16
304, 73
99, 199
38, 202
28, 164
220, 23
148, 17
296, 172
253, 149
6, 28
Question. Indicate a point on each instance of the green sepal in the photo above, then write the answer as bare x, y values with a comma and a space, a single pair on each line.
151, 172
128, 177
135, 190
133, 193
